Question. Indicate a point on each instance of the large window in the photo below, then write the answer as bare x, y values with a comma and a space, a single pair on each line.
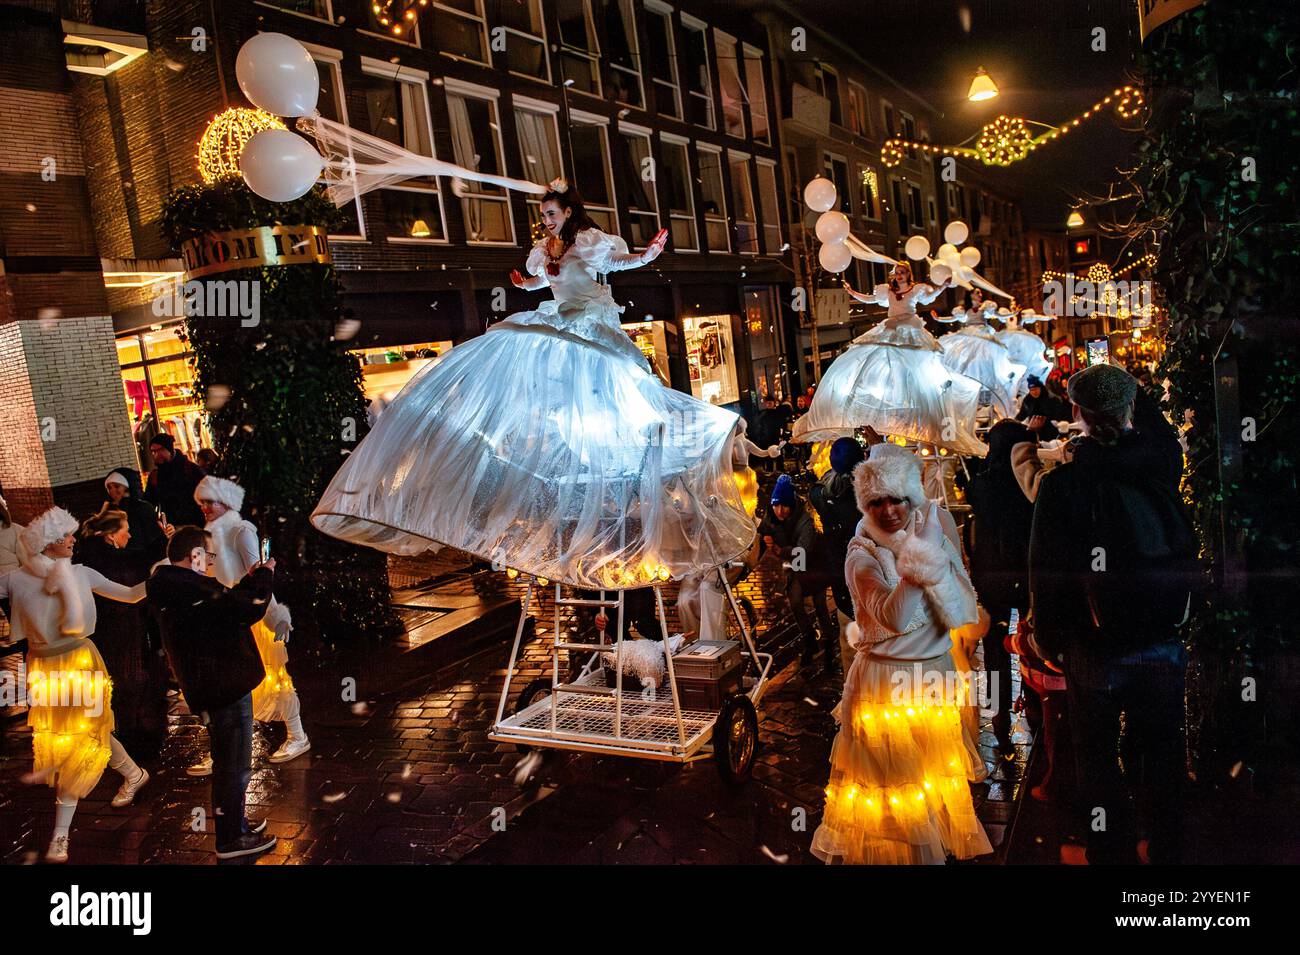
729, 82
622, 53
698, 77
476, 139
397, 109
579, 48
539, 146
158, 382
681, 194
756, 90
661, 54
828, 82
713, 196
589, 140
836, 169
858, 118
525, 41
459, 29
637, 174
711, 358
770, 205
742, 190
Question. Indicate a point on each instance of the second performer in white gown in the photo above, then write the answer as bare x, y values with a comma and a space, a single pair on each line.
546, 444
892, 378
974, 351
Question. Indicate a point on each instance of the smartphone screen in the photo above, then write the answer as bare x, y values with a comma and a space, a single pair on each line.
266, 549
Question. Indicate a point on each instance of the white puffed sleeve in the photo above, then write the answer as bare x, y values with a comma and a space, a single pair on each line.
536, 258
879, 296
604, 252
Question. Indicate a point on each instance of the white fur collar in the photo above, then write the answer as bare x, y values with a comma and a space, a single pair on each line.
226, 521
60, 581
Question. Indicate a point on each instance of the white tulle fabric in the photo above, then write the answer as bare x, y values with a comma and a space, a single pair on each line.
356, 163
547, 445
1027, 349
892, 378
975, 352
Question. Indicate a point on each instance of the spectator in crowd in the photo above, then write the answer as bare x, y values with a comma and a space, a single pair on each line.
207, 460
1039, 409
172, 483
148, 535
789, 532
836, 504
1112, 569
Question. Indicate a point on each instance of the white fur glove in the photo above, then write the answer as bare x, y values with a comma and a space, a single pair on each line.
922, 560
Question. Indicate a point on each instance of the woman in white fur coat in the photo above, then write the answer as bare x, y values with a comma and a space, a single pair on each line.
901, 763
69, 694
236, 545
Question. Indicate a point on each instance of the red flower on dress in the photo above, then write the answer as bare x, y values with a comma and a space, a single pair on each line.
552, 268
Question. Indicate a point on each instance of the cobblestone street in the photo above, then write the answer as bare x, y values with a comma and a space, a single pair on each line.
408, 775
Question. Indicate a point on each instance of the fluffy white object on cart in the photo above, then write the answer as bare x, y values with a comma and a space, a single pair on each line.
644, 659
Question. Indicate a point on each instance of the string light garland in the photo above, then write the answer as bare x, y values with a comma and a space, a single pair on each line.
1140, 262
224, 139
1008, 140
872, 182
397, 16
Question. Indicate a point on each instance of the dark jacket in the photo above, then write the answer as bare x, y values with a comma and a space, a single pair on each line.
797, 530
1050, 407
1066, 528
997, 537
148, 541
171, 490
206, 631
837, 506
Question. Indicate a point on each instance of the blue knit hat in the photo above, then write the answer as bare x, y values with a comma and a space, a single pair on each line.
846, 454
783, 493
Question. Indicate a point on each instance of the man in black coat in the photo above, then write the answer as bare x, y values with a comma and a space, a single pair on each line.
1111, 568
1039, 409
789, 531
172, 483
206, 631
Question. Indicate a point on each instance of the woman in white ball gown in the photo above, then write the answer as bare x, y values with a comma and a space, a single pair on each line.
1027, 349
974, 351
892, 378
547, 445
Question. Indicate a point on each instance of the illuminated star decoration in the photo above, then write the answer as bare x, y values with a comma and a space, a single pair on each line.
224, 140
398, 16
1008, 139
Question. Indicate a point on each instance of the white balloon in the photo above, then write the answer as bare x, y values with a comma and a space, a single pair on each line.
277, 74
280, 165
970, 256
917, 248
820, 194
947, 251
940, 273
834, 257
956, 233
833, 226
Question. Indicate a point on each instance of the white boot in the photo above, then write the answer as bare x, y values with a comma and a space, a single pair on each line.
295, 744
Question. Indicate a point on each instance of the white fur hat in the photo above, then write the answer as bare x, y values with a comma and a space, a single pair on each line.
53, 525
888, 471
219, 489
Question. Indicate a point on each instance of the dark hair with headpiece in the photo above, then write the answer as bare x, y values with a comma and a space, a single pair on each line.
578, 220
104, 522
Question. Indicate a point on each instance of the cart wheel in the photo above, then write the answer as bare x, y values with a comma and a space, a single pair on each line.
538, 689
735, 738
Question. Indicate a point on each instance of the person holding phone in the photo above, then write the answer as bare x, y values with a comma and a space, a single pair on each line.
238, 550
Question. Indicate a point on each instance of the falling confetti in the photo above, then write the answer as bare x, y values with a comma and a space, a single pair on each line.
810, 701
527, 766
346, 329
406, 771
778, 859
332, 798
361, 709
394, 797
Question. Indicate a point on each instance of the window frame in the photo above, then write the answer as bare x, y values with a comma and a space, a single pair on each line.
481, 19
328, 18
692, 24
543, 39
644, 132
864, 111
820, 70
581, 118
419, 79
876, 199
744, 159
369, 10
722, 217
627, 12
721, 37
828, 160
592, 56
765, 226
537, 107
334, 60
660, 9
465, 90
754, 54
672, 141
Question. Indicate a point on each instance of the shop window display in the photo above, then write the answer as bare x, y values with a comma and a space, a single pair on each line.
651, 339
158, 384
711, 357
385, 370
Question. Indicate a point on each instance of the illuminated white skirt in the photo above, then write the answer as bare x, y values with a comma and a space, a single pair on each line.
546, 445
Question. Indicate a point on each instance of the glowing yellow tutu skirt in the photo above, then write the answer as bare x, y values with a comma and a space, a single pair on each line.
747, 484
71, 716
898, 792
274, 699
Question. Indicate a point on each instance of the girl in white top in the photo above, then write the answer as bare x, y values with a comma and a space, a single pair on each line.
69, 694
236, 545
892, 379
